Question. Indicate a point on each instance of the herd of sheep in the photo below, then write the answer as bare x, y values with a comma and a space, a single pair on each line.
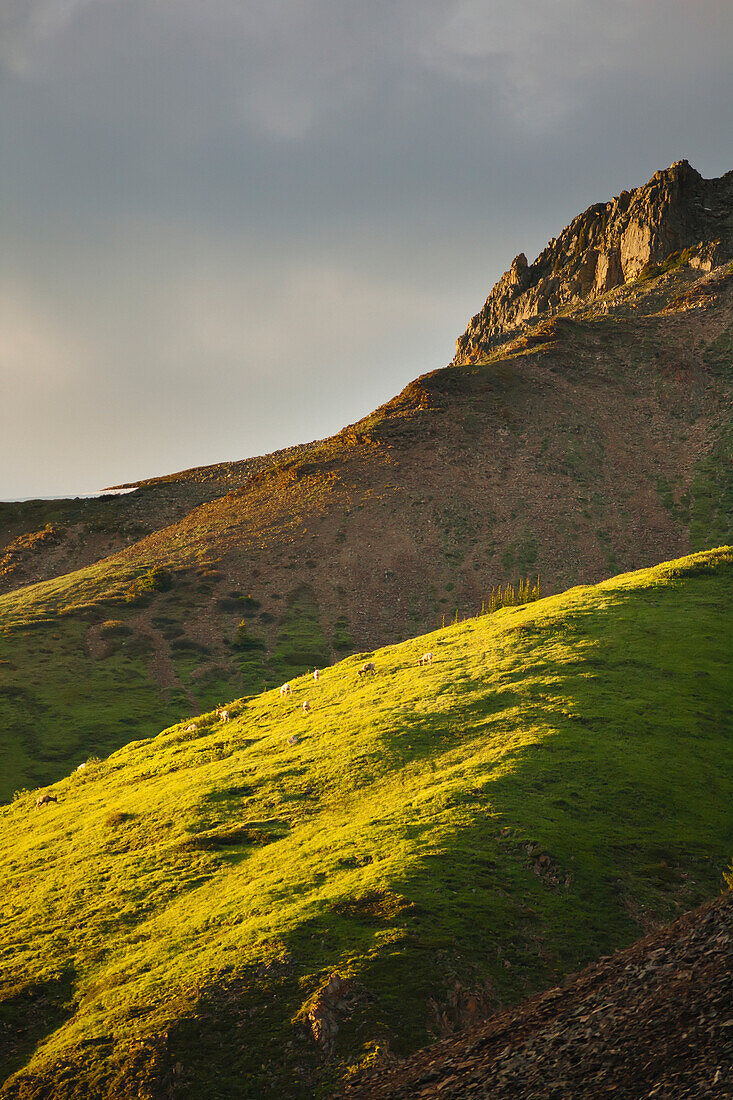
367, 669
225, 715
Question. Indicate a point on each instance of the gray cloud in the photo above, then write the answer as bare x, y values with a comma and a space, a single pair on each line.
233, 226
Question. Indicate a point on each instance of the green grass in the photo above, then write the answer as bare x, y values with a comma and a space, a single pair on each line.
170, 920
300, 641
711, 520
58, 705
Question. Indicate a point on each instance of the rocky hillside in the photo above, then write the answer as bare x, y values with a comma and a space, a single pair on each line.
654, 1020
41, 539
677, 217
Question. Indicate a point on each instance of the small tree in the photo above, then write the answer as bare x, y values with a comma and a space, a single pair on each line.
509, 596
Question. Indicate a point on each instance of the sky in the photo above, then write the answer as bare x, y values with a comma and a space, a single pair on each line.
233, 225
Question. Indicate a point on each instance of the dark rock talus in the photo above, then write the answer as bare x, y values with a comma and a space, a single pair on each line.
655, 1020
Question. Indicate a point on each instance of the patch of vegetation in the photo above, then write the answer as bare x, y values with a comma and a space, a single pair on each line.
115, 628
154, 580
251, 650
237, 602
509, 596
246, 641
188, 645
495, 819
300, 643
711, 512
458, 529
60, 704
718, 356
581, 453
117, 817
341, 641
674, 262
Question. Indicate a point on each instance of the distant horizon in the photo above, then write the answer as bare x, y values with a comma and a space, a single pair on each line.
73, 496
228, 231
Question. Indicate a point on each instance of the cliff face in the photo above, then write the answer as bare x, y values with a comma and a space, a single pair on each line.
608, 245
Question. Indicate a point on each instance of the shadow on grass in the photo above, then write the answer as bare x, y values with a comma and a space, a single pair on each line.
28, 1015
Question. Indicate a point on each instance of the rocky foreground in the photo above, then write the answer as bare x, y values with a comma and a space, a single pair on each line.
655, 1020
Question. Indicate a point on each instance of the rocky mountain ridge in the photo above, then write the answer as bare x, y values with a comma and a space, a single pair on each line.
677, 218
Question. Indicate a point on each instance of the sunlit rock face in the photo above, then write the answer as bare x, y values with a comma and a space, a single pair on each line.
610, 244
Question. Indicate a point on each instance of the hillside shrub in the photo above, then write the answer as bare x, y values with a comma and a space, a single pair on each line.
117, 817
155, 580
188, 645
114, 628
243, 640
235, 601
228, 603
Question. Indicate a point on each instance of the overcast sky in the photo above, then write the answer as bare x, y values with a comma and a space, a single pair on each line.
233, 225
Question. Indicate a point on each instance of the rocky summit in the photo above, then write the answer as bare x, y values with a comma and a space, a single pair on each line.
676, 217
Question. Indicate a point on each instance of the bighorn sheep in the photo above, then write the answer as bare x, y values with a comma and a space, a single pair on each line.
285, 690
44, 799
316, 674
224, 715
306, 707
426, 659
367, 668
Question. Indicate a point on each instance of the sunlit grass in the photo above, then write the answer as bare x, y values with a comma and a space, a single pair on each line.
203, 884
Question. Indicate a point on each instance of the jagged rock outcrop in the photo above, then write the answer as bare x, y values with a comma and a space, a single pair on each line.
676, 214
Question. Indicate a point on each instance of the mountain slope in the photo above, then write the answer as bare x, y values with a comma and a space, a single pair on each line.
594, 440
444, 839
651, 1020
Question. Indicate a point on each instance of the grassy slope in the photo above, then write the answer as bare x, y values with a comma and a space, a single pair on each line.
62, 675
173, 916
